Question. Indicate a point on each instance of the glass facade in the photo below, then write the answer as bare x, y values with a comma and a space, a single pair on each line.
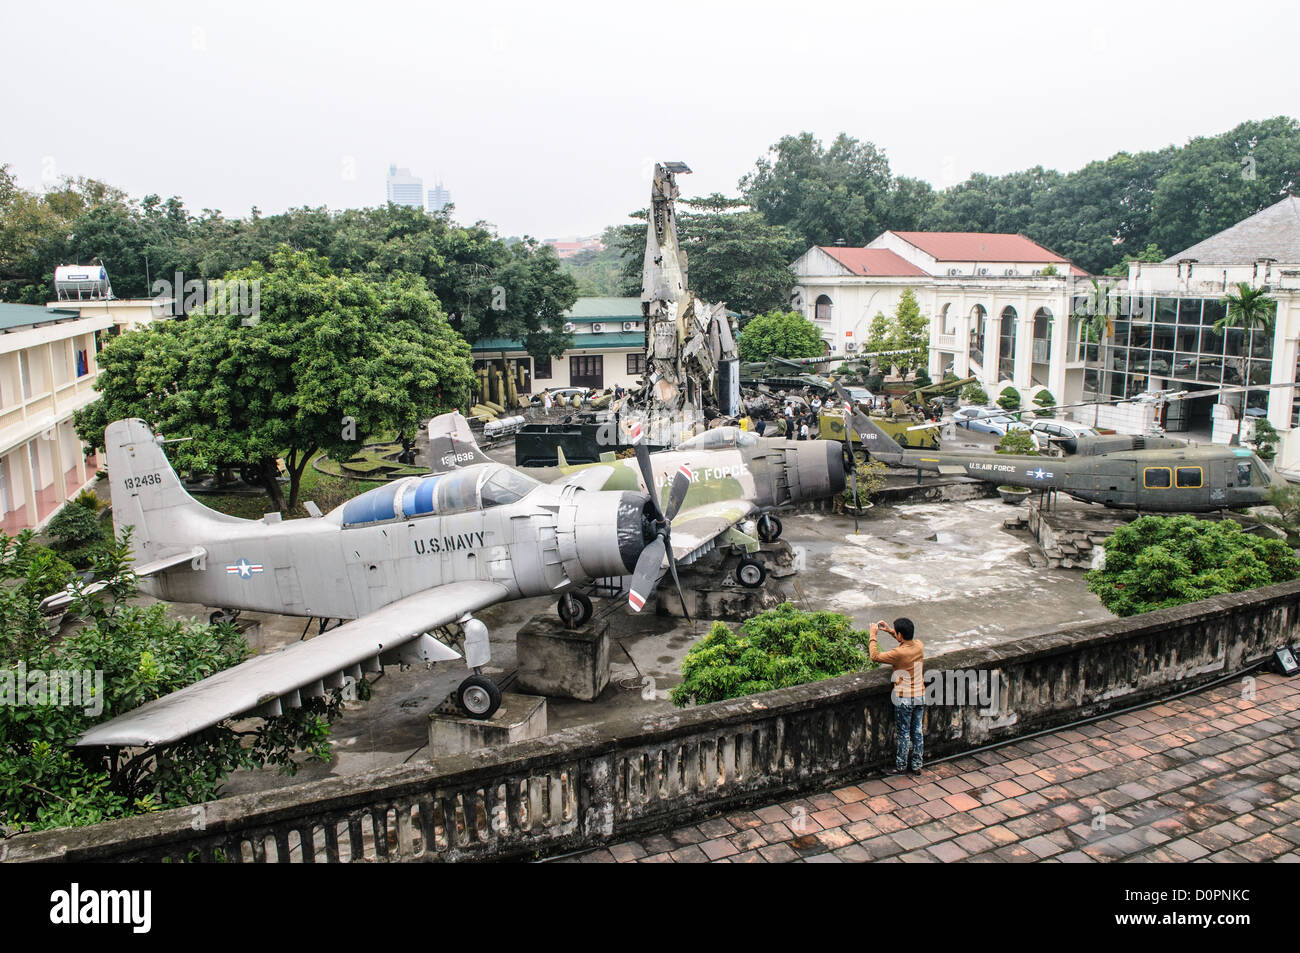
1166, 341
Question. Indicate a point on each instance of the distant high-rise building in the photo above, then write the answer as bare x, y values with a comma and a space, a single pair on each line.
439, 198
404, 188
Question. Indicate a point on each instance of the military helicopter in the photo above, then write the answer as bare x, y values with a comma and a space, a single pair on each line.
1165, 479
403, 561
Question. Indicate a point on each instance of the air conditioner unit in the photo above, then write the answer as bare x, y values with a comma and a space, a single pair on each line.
597, 328
984, 271
569, 327
1010, 271
851, 346
954, 271
629, 325
1038, 271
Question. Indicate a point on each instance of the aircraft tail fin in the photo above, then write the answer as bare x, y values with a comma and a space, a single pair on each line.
148, 495
452, 444
880, 445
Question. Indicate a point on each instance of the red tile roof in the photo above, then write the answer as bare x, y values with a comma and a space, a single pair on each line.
873, 262
979, 246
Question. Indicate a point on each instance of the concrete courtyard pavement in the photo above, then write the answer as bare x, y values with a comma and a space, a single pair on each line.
1212, 776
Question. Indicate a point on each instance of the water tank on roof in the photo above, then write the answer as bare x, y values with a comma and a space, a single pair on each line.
81, 283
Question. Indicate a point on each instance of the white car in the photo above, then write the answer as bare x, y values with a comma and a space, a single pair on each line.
1061, 433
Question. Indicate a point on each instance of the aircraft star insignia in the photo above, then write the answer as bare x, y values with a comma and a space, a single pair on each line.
244, 569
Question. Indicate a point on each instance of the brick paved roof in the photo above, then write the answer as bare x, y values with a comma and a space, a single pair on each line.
1163, 783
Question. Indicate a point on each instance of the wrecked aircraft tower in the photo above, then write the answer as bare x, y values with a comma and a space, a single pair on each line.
692, 364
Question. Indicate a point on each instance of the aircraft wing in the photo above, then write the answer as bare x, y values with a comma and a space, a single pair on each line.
303, 669
61, 600
588, 478
695, 530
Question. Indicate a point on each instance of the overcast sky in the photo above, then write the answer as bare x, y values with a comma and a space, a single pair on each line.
545, 118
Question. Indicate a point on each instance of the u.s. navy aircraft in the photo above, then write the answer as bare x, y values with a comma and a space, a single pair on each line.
401, 561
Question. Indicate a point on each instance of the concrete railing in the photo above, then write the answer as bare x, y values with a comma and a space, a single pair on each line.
587, 786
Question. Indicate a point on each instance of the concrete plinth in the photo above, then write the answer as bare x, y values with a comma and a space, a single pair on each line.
561, 662
520, 718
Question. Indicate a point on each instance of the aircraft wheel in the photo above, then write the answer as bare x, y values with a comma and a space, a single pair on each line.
769, 528
860, 456
574, 609
478, 697
751, 573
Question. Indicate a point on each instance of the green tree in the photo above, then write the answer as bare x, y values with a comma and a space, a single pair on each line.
1265, 440
779, 648
1249, 309
1044, 399
1020, 442
332, 360
1009, 399
824, 194
1161, 561
45, 781
973, 393
779, 334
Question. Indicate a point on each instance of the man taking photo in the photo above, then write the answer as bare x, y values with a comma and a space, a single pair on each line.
908, 693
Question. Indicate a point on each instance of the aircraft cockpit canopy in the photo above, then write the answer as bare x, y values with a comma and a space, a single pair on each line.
721, 438
440, 495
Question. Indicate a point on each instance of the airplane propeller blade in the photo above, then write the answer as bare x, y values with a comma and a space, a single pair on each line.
649, 565
681, 484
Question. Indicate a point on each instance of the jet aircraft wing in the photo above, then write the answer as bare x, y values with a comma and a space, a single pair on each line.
304, 669
695, 530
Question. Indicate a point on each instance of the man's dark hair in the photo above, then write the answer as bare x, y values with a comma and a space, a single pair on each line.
904, 629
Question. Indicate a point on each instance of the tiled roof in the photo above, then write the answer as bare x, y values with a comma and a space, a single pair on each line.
979, 246
1271, 233
872, 262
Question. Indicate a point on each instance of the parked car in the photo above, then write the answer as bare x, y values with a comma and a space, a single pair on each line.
962, 415
1060, 433
995, 422
562, 395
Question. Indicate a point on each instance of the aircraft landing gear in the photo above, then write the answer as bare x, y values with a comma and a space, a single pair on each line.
478, 697
769, 528
751, 573
574, 609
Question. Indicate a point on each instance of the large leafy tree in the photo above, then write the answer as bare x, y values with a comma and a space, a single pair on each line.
780, 334
1161, 561
825, 194
331, 359
907, 330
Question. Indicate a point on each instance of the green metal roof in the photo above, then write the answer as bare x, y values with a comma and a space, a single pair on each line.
22, 315
581, 342
610, 309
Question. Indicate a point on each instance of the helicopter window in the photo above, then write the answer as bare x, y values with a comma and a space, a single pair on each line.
1188, 478
1243, 473
457, 492
1156, 478
507, 486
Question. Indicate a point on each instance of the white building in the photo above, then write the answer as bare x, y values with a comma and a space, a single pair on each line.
998, 304
608, 349
404, 188
48, 366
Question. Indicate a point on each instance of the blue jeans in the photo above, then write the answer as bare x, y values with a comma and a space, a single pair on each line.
909, 717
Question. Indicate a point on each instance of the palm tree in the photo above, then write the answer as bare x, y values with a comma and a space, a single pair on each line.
1095, 322
1249, 308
